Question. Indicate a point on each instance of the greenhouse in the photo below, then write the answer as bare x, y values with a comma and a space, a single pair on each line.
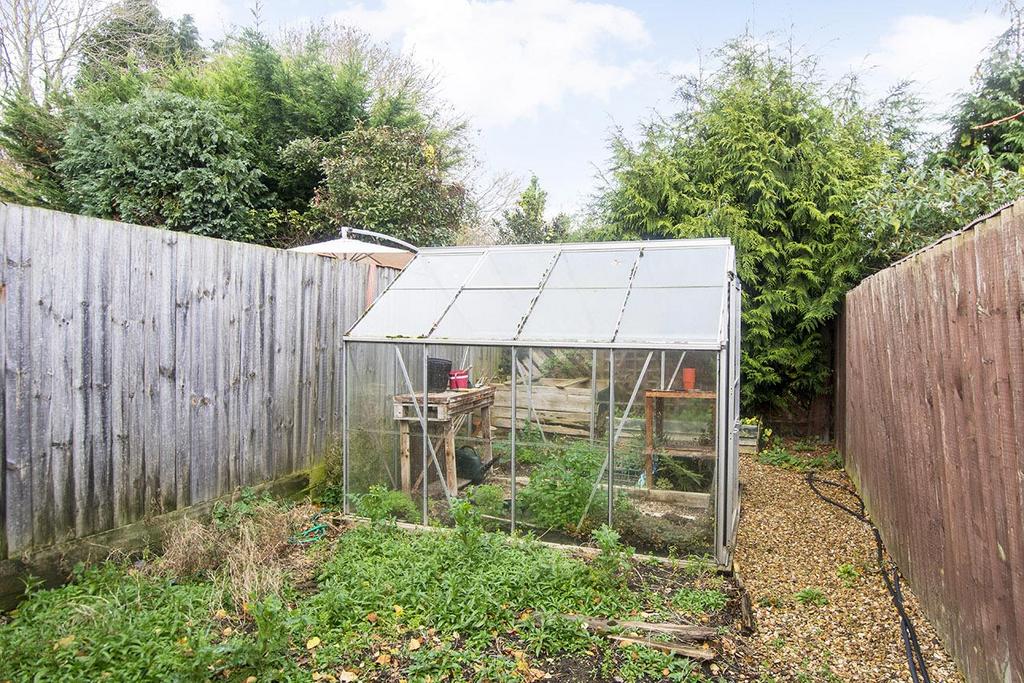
556, 388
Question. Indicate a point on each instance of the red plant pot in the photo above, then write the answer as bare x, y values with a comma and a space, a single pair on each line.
458, 379
689, 379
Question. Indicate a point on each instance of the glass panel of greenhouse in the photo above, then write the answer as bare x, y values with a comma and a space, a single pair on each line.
556, 388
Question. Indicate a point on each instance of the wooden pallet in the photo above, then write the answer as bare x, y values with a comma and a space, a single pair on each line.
445, 405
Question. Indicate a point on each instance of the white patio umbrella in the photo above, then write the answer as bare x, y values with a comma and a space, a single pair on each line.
356, 250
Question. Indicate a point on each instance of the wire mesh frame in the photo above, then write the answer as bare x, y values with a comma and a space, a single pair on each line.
727, 421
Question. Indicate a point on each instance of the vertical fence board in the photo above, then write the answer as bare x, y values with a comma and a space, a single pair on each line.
40, 380
18, 433
932, 412
5, 256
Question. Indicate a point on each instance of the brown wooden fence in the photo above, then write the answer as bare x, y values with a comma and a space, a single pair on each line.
146, 371
930, 417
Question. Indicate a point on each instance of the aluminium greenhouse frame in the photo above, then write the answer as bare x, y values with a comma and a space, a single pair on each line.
662, 296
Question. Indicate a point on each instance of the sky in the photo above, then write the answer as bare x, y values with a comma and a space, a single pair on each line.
544, 83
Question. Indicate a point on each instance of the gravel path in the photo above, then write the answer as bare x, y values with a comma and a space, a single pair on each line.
790, 540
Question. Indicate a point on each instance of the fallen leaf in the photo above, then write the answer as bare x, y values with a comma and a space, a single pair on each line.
221, 614
383, 659
414, 644
348, 676
312, 643
372, 617
63, 642
398, 610
251, 679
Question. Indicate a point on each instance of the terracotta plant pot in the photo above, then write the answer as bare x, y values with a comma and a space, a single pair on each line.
689, 379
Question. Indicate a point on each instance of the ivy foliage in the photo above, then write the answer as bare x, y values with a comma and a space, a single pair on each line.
762, 154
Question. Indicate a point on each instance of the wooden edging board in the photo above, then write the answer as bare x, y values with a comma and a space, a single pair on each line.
586, 551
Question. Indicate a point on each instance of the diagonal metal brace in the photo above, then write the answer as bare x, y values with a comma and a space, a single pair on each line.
423, 423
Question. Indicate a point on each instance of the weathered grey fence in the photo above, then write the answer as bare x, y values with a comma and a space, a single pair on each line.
147, 370
930, 417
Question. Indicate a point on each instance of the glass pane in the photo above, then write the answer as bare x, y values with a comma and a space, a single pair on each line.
694, 267
561, 442
438, 270
374, 434
405, 313
574, 315
671, 314
492, 314
592, 269
512, 268
665, 452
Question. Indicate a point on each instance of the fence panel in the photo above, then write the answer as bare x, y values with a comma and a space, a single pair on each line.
146, 370
930, 417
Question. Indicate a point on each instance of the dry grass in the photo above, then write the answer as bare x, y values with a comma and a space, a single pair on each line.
248, 560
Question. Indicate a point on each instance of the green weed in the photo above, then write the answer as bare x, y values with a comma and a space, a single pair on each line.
488, 499
699, 601
811, 596
381, 503
848, 574
779, 456
559, 489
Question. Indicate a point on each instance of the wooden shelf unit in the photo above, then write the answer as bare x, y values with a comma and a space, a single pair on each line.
654, 414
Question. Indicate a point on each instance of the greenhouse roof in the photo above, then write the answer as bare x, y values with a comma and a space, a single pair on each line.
657, 294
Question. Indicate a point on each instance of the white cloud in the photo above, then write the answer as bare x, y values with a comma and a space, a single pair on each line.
211, 16
940, 55
507, 60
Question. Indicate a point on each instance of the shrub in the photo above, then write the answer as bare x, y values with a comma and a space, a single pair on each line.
161, 159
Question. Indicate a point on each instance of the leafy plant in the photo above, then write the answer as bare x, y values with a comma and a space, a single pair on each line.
381, 503
108, 624
489, 499
811, 596
699, 601
468, 527
226, 516
779, 456
848, 574
560, 489
612, 561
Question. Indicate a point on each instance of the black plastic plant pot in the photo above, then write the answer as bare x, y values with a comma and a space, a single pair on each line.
437, 374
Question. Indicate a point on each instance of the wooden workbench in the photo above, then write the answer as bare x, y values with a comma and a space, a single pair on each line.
443, 408
654, 414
